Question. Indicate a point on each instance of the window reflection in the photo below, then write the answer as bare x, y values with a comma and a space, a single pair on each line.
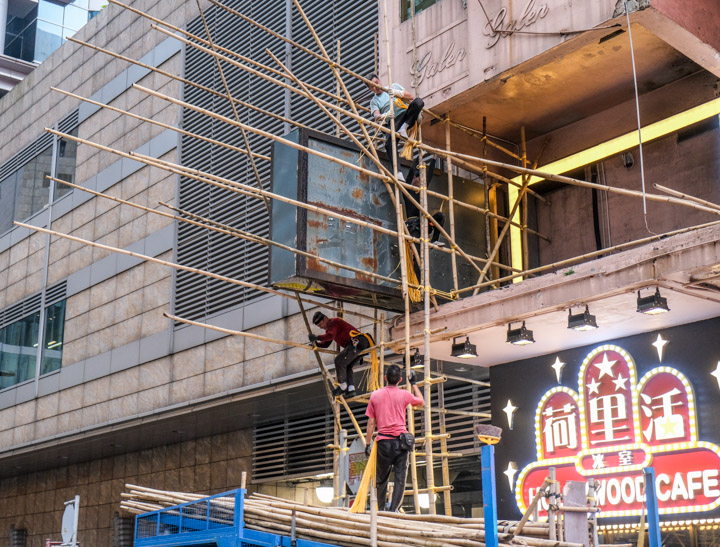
18, 350
33, 34
405, 7
53, 344
27, 190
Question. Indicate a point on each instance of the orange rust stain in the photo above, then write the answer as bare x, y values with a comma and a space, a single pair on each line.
357, 193
370, 263
376, 200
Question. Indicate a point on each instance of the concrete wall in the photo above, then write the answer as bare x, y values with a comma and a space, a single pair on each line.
456, 50
34, 501
687, 161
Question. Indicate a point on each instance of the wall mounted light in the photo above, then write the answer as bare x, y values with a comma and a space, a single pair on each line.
520, 336
582, 321
325, 493
653, 304
463, 350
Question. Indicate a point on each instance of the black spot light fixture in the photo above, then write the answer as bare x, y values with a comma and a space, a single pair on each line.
582, 321
520, 336
463, 350
653, 304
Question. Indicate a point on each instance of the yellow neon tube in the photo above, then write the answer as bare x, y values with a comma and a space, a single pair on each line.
604, 150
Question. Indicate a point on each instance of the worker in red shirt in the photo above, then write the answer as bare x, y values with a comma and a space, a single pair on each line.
387, 411
352, 343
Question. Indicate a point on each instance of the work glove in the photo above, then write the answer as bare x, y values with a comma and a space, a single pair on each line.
396, 92
368, 448
412, 379
313, 338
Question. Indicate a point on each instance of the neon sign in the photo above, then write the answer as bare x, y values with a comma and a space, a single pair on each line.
613, 427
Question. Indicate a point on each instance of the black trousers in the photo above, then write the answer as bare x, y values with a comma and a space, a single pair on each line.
348, 358
391, 457
408, 117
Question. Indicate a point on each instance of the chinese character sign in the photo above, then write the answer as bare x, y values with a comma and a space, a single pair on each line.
613, 427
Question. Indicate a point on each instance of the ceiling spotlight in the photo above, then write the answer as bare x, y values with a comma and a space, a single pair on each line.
325, 493
653, 304
463, 350
582, 321
418, 359
521, 336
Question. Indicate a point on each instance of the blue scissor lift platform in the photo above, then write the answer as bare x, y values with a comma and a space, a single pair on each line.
215, 521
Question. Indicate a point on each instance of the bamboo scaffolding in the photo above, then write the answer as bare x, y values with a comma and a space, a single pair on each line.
593, 254
688, 197
185, 81
161, 124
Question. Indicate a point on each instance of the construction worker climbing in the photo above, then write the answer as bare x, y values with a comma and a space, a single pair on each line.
412, 212
351, 340
406, 109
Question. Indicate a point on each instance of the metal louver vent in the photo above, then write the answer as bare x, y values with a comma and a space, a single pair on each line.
32, 304
197, 296
67, 124
296, 447
55, 293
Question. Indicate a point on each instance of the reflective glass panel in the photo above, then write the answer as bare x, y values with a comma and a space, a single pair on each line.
32, 189
405, 7
53, 344
48, 39
7, 202
75, 17
18, 350
50, 12
65, 164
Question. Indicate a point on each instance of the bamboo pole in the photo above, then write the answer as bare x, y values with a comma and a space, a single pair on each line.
218, 227
593, 254
185, 81
247, 334
440, 410
524, 209
677, 194
451, 206
160, 22
221, 72
161, 124
167, 263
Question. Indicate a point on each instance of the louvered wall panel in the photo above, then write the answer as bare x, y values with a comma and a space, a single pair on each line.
296, 446
197, 296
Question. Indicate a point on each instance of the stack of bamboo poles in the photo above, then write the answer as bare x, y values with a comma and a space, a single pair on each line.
339, 526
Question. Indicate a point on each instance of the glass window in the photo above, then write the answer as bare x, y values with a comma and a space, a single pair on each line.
18, 350
53, 343
65, 164
85, 4
32, 189
7, 203
75, 17
48, 39
50, 12
405, 6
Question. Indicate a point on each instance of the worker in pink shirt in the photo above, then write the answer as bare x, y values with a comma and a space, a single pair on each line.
387, 411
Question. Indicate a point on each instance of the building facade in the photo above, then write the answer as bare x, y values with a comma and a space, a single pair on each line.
99, 389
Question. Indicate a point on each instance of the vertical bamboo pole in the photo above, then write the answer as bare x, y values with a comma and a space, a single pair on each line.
337, 86
451, 206
232, 104
524, 210
447, 501
403, 256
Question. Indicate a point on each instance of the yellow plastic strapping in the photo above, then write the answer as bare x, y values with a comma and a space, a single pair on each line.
364, 488
414, 294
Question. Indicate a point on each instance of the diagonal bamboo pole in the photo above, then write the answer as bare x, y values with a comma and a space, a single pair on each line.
470, 259
185, 81
247, 334
161, 124
593, 254
166, 263
228, 95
